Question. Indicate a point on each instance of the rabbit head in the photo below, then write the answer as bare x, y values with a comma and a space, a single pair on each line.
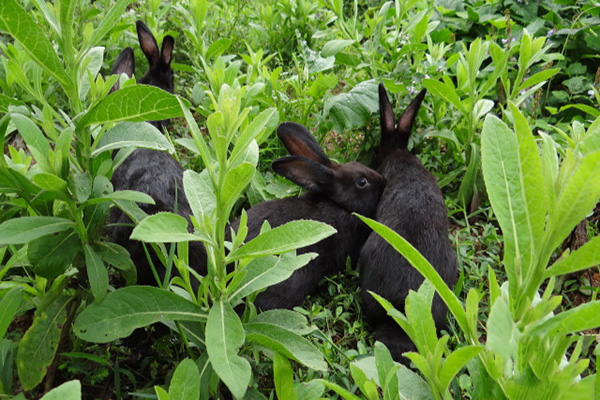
159, 72
395, 136
352, 186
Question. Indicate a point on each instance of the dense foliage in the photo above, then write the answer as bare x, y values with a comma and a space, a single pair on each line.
510, 127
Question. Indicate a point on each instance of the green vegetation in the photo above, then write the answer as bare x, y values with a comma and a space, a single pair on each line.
510, 127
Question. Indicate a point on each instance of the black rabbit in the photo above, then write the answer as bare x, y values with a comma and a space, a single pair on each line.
155, 173
413, 206
334, 192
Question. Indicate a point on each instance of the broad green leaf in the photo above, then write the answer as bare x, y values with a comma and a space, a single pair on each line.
322, 84
585, 257
354, 108
333, 47
283, 377
50, 182
135, 104
217, 48
455, 362
423, 266
444, 91
96, 272
411, 385
67, 8
236, 180
15, 21
585, 316
512, 170
261, 125
224, 337
9, 305
51, 255
185, 384
36, 142
366, 386
385, 364
538, 78
595, 113
287, 343
339, 390
38, 345
199, 193
161, 393
80, 184
25, 229
576, 199
288, 319
266, 271
109, 21
120, 195
291, 236
132, 134
132, 307
310, 390
6, 101
502, 333
70, 390
418, 311
163, 227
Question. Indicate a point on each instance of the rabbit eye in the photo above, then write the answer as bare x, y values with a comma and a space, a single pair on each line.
362, 183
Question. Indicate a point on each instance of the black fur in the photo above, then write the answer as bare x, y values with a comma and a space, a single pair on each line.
334, 192
155, 173
413, 206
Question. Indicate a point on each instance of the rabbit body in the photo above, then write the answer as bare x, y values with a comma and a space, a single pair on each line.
413, 206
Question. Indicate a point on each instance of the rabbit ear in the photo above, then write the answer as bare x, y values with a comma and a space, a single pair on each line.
148, 43
407, 119
167, 49
125, 64
306, 173
299, 142
386, 112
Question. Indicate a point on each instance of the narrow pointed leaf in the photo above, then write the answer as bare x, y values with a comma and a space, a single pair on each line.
25, 229
96, 272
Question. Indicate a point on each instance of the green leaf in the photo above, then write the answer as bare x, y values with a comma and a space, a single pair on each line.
576, 199
132, 134
339, 390
288, 319
199, 193
322, 85
36, 142
291, 236
444, 91
185, 384
538, 78
9, 305
503, 335
385, 364
51, 255
163, 227
366, 386
585, 257
25, 229
421, 264
236, 180
129, 308
287, 343
6, 101
70, 390
353, 109
217, 48
161, 393
50, 182
585, 316
67, 8
455, 362
267, 271
15, 21
512, 170
283, 376
224, 337
80, 184
38, 345
262, 124
109, 21
96, 272
333, 47
136, 104
120, 195
418, 312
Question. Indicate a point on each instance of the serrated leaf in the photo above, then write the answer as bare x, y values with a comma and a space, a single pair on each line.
287, 343
185, 384
224, 337
353, 109
15, 21
290, 236
132, 134
25, 229
129, 308
51, 255
38, 345
135, 104
163, 227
